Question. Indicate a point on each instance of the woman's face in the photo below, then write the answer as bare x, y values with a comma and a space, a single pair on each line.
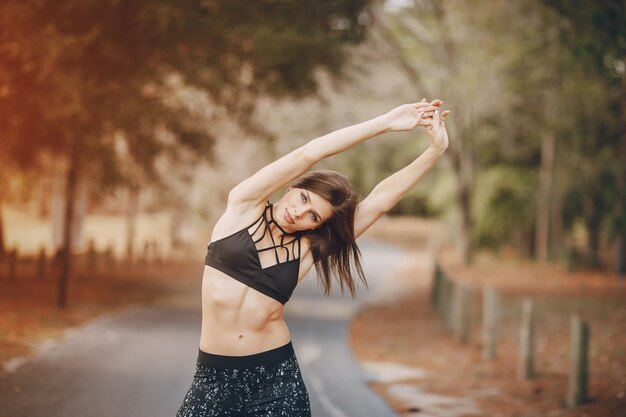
301, 209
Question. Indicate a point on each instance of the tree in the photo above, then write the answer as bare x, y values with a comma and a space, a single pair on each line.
77, 75
437, 45
595, 36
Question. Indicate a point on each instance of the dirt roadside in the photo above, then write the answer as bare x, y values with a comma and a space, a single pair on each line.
30, 318
409, 333
406, 332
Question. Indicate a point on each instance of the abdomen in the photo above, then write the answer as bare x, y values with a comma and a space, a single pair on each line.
238, 320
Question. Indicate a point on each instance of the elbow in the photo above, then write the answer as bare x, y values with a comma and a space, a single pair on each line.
238, 194
310, 153
233, 196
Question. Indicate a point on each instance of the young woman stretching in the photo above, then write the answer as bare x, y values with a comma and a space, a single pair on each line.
259, 251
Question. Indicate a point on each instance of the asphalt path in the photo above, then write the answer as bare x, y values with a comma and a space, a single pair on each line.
140, 362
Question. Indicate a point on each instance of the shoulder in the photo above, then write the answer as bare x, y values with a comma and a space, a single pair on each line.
237, 216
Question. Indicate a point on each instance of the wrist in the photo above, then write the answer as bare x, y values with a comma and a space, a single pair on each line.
436, 152
382, 124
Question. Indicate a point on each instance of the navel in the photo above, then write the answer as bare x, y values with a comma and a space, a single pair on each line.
241, 336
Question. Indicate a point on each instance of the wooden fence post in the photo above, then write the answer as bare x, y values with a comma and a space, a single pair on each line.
526, 363
578, 375
490, 322
461, 311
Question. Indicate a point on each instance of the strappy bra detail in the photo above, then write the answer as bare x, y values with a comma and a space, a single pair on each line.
237, 255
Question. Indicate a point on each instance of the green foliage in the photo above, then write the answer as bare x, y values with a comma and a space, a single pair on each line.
565, 79
594, 154
504, 204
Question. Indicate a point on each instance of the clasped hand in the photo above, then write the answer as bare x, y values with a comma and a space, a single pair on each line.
425, 114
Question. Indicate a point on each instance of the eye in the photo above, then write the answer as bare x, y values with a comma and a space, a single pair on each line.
303, 197
313, 217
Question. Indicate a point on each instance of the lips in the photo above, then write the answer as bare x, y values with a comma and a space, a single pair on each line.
288, 217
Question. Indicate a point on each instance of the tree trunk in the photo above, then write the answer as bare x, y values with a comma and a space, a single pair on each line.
556, 225
131, 221
620, 262
546, 174
66, 256
461, 148
463, 201
545, 191
462, 160
2, 247
444, 49
593, 243
593, 222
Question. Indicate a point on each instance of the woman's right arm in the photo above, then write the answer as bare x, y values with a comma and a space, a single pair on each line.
272, 177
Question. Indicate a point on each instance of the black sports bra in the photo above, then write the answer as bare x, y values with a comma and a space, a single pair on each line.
238, 256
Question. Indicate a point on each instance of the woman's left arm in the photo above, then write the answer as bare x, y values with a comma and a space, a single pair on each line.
388, 192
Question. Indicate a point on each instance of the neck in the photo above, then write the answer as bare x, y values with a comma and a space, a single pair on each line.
277, 226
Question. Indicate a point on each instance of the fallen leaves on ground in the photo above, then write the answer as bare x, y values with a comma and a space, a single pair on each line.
28, 304
409, 332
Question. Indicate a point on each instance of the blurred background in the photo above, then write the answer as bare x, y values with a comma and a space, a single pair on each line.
124, 125
154, 110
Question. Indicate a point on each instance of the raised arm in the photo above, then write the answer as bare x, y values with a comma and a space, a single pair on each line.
272, 177
388, 192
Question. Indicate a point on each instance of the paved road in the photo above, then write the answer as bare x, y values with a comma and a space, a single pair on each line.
140, 362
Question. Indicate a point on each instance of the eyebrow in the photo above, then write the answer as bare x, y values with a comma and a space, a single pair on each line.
316, 213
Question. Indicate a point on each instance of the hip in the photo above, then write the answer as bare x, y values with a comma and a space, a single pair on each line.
247, 385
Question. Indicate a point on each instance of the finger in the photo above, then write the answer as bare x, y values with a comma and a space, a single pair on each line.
416, 121
427, 123
428, 109
436, 102
427, 118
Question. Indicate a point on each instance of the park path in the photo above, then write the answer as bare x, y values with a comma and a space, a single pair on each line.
140, 362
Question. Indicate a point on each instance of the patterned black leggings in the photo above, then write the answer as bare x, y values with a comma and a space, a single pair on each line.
264, 384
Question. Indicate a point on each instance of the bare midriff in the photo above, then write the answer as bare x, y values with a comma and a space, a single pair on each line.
238, 320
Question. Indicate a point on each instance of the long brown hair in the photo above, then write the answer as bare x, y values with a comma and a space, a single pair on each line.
333, 243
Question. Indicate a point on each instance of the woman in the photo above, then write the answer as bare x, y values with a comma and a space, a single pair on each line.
259, 252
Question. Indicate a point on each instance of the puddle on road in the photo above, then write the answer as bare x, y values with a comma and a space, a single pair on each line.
425, 404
